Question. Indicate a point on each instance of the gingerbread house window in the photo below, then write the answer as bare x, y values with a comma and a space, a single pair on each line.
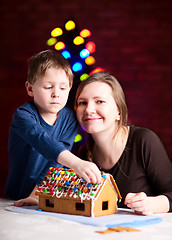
105, 205
80, 206
49, 203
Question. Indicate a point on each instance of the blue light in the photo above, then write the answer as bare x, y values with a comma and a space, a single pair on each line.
84, 53
66, 54
77, 67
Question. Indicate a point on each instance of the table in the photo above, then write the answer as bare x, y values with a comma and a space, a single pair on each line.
16, 226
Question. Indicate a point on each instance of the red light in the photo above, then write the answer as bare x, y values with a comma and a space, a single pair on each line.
91, 46
98, 69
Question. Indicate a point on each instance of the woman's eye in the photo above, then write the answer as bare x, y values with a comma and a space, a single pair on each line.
82, 103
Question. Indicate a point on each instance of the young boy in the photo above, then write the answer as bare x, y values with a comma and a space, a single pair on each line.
42, 131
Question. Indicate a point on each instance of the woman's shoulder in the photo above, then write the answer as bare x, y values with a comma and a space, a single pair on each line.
141, 131
143, 134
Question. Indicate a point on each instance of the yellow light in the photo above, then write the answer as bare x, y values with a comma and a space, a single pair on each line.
59, 46
90, 60
56, 32
85, 33
84, 76
51, 41
78, 40
70, 25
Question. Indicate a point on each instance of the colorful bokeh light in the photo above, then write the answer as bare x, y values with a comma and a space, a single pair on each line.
85, 33
98, 69
59, 46
70, 25
66, 54
78, 40
77, 67
90, 60
78, 138
56, 32
91, 46
84, 53
51, 41
84, 76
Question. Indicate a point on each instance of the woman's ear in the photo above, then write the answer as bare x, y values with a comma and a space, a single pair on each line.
119, 116
29, 89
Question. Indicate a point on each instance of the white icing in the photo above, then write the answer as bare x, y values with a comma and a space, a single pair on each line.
74, 182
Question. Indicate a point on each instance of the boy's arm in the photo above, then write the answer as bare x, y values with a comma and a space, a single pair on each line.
88, 170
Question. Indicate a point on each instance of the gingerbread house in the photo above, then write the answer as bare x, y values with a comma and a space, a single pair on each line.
63, 191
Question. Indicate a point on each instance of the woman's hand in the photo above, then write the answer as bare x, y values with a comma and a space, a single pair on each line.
139, 202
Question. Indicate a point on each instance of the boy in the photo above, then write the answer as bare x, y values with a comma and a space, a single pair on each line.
42, 131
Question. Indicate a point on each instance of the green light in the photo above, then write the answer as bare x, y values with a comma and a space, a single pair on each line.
84, 76
78, 138
51, 41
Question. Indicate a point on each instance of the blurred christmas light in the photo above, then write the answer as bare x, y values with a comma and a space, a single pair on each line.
56, 32
84, 76
51, 41
98, 69
77, 67
85, 33
78, 138
91, 46
66, 54
84, 53
70, 25
59, 46
76, 46
90, 60
78, 40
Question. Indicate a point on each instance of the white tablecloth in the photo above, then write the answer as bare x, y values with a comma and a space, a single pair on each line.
32, 226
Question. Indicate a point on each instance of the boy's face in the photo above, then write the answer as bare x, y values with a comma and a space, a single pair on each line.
50, 93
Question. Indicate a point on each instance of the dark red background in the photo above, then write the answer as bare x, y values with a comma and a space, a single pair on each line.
134, 42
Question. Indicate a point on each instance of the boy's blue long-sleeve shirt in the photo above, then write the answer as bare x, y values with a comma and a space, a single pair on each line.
34, 146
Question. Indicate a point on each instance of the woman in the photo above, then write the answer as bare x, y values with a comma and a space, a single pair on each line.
134, 156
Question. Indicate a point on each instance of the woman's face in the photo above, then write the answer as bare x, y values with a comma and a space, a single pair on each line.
97, 111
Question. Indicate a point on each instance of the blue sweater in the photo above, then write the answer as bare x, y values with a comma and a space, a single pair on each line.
34, 146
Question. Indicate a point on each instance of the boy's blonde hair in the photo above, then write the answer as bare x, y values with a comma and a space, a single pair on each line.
44, 60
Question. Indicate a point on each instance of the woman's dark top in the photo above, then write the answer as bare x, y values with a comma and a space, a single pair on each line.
143, 166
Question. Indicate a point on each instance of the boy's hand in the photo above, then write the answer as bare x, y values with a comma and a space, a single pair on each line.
29, 201
139, 202
88, 170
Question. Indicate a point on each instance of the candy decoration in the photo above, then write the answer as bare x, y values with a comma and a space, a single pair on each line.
104, 176
63, 181
89, 185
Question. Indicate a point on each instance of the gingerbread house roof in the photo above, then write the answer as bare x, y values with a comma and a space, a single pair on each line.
64, 182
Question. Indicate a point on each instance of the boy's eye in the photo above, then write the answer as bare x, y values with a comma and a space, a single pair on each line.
100, 101
48, 87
